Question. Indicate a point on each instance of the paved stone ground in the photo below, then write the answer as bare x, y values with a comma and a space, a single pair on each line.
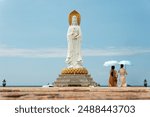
74, 93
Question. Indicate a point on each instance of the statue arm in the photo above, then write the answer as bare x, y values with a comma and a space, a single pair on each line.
80, 33
69, 33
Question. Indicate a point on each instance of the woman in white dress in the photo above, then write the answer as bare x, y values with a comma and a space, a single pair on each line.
123, 74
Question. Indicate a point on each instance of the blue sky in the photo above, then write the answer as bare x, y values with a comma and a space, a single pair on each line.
33, 38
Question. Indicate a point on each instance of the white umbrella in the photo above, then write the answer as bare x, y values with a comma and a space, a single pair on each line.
125, 62
110, 63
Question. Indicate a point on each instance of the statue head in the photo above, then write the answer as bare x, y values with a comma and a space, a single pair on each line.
71, 17
74, 20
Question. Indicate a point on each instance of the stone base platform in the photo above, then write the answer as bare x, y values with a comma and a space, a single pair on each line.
75, 93
74, 80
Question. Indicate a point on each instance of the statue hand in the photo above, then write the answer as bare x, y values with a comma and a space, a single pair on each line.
77, 36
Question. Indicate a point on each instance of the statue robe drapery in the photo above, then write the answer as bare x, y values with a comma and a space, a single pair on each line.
74, 37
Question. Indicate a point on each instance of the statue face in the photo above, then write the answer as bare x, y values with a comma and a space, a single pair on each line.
74, 20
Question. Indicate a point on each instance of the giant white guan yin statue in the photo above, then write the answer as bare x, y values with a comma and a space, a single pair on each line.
74, 38
75, 74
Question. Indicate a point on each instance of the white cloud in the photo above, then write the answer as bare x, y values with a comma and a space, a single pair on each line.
37, 53
116, 52
61, 52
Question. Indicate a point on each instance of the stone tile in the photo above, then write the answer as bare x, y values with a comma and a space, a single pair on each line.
74, 93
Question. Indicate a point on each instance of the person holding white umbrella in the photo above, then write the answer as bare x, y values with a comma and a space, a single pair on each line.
123, 74
112, 82
113, 77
